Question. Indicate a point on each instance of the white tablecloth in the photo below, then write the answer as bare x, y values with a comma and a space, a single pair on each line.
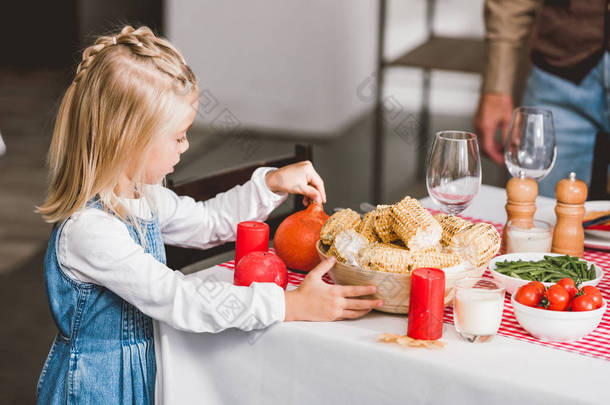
341, 362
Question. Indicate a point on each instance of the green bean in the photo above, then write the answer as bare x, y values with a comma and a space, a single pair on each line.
523, 270
591, 272
583, 270
551, 268
571, 273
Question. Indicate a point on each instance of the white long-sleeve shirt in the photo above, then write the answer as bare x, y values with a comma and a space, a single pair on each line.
95, 247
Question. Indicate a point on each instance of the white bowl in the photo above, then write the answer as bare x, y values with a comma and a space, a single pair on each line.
512, 284
557, 326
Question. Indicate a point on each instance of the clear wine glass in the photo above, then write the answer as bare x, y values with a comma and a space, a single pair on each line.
530, 145
453, 175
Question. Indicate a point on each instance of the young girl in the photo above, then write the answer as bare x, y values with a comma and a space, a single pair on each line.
120, 129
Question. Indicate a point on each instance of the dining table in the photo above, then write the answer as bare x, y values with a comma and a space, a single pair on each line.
344, 362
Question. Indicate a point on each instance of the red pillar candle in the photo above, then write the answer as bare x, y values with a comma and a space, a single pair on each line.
426, 304
252, 236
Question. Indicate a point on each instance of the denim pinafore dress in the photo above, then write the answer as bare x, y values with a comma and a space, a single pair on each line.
104, 350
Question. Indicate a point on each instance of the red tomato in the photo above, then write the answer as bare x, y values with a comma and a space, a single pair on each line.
541, 288
558, 297
528, 295
594, 293
583, 303
569, 285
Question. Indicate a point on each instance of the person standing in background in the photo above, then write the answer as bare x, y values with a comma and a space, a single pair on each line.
570, 75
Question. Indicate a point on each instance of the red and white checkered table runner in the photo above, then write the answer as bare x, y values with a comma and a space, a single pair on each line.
595, 344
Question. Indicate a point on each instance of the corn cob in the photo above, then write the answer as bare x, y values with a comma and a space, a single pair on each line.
415, 225
397, 244
348, 244
339, 221
477, 244
451, 226
367, 227
381, 257
334, 252
436, 258
436, 248
387, 258
384, 227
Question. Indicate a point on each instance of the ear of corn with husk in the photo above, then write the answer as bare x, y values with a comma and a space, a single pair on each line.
387, 258
381, 257
367, 227
415, 225
401, 237
434, 258
451, 226
477, 244
384, 224
334, 252
339, 221
347, 245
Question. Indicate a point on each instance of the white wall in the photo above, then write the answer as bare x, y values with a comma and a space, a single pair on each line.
275, 63
297, 64
452, 93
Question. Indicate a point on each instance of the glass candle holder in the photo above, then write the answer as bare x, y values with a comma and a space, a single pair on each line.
478, 307
535, 238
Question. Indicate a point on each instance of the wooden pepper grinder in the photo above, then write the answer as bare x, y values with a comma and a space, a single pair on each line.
521, 203
569, 235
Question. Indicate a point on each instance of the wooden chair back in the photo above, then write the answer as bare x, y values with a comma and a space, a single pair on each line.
207, 187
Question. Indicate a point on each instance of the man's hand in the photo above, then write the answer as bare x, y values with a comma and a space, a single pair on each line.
298, 178
494, 112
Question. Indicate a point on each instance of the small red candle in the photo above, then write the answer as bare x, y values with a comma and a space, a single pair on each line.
252, 236
426, 304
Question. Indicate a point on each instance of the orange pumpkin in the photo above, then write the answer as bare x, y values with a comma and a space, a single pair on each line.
295, 239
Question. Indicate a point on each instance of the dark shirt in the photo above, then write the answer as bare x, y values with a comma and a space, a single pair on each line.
570, 37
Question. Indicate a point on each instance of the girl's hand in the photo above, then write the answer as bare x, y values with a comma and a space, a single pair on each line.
298, 178
314, 300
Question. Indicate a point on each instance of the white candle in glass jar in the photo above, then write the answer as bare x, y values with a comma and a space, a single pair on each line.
538, 238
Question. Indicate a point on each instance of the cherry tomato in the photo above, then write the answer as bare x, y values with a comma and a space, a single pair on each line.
541, 288
594, 293
558, 297
569, 285
583, 303
528, 295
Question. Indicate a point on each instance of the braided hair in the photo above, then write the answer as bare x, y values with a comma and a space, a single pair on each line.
141, 42
127, 89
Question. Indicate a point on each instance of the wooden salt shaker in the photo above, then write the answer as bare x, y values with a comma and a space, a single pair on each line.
520, 206
569, 235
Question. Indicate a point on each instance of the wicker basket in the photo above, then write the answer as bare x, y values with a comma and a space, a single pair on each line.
392, 288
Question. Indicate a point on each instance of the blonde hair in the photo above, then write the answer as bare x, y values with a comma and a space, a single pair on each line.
123, 95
